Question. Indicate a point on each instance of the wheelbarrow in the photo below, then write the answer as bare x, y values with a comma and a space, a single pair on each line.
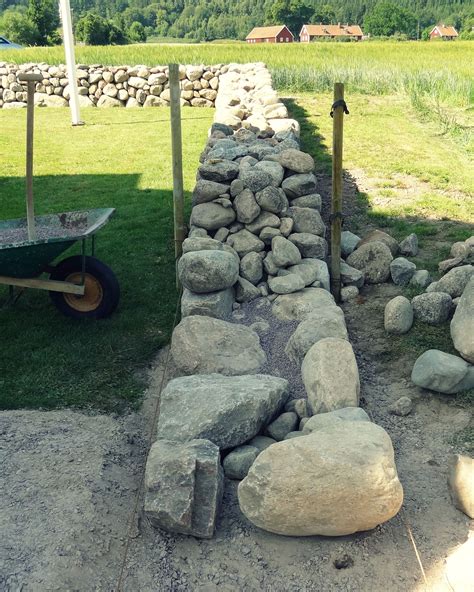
80, 286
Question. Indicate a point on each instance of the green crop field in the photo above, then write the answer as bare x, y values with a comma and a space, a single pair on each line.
442, 70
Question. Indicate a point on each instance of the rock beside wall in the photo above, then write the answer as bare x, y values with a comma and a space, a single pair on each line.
111, 86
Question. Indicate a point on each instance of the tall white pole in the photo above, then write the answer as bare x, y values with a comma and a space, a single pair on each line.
68, 38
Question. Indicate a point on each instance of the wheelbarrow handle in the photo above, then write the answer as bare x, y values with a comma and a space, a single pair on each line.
29, 77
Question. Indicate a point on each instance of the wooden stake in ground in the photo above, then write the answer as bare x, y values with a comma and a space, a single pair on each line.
177, 154
337, 113
31, 80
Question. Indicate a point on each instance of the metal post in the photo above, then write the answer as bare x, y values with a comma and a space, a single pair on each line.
31, 80
338, 110
176, 145
68, 39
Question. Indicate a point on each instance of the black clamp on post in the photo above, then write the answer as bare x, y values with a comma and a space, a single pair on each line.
335, 216
340, 103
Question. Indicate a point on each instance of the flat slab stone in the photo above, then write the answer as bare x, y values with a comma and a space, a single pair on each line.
229, 411
203, 345
295, 307
184, 483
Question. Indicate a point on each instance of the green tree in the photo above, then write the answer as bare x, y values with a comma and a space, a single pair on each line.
94, 29
324, 14
387, 19
44, 15
292, 13
136, 33
17, 27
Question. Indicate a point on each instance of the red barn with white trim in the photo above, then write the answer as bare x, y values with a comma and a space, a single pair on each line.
274, 34
443, 32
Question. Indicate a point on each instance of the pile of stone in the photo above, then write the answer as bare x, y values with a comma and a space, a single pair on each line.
452, 293
110, 86
256, 232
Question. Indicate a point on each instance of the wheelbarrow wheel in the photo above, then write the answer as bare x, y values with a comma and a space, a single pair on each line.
102, 290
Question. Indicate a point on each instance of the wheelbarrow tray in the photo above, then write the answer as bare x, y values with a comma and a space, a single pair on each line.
55, 233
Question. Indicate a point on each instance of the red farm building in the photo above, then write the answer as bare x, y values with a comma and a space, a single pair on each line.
274, 34
443, 32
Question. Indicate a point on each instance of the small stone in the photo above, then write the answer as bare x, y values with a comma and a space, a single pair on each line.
245, 242
420, 279
298, 185
349, 293
272, 199
268, 234
383, 237
313, 200
286, 226
343, 562
238, 462
310, 245
285, 252
292, 435
350, 276
251, 267
403, 406
307, 220
211, 216
286, 284
402, 271
432, 308
207, 271
349, 242
409, 246
460, 249
295, 307
220, 171
454, 282
373, 258
263, 219
215, 304
462, 325
245, 291
298, 406
261, 442
398, 317
282, 425
246, 207
325, 420
296, 161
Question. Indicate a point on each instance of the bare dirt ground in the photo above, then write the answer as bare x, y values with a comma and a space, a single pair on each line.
70, 484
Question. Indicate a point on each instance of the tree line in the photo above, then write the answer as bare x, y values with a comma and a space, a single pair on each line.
102, 22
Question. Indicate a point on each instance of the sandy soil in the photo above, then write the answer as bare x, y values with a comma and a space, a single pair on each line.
71, 482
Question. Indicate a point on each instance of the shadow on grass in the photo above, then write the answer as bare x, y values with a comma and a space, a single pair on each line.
51, 361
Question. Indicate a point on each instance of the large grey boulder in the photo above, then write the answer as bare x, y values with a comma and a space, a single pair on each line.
462, 325
381, 237
286, 284
336, 481
285, 253
220, 171
307, 220
251, 267
215, 304
229, 411
310, 245
298, 185
432, 308
244, 242
398, 318
184, 483
203, 345
324, 420
205, 191
461, 483
295, 307
272, 199
454, 282
211, 216
330, 375
254, 179
246, 207
328, 322
402, 271
442, 372
273, 169
296, 161
208, 271
373, 258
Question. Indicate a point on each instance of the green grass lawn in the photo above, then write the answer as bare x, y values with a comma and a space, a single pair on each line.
410, 177
121, 159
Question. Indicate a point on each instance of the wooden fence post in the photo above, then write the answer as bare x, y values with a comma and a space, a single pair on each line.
337, 113
177, 155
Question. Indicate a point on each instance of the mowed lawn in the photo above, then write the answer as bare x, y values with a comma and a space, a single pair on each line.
121, 158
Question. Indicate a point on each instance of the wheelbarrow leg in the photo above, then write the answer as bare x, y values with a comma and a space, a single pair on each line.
13, 296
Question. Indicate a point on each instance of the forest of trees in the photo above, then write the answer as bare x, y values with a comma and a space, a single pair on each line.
121, 21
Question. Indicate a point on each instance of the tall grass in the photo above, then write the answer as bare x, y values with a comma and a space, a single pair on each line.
442, 70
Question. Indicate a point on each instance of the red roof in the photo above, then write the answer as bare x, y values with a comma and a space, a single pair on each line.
333, 30
446, 31
266, 32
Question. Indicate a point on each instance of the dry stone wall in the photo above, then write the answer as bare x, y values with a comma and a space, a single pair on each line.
107, 86
256, 233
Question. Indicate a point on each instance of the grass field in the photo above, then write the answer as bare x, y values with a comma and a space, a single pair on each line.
441, 70
121, 158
